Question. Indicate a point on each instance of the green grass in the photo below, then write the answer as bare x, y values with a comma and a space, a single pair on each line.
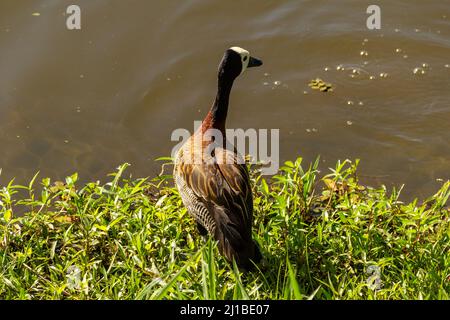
328, 238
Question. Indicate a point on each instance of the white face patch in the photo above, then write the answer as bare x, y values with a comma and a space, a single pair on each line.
245, 57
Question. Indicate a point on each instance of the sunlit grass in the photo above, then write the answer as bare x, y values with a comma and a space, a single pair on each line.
132, 239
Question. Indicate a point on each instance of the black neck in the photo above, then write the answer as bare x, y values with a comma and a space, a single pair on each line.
219, 109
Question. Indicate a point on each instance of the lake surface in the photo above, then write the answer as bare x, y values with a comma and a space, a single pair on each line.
86, 101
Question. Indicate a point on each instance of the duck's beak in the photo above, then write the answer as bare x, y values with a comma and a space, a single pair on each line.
254, 62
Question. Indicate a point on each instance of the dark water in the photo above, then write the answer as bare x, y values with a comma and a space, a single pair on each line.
114, 91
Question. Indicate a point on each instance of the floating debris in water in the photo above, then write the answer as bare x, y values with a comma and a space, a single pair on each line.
340, 68
417, 30
319, 84
366, 63
372, 77
349, 123
398, 50
81, 76
405, 56
425, 65
384, 75
277, 83
357, 71
397, 30
305, 92
66, 141
350, 103
361, 103
266, 74
364, 53
312, 130
419, 70
326, 69
447, 65
265, 83
35, 14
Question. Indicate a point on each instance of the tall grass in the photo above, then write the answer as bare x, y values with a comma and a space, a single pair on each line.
328, 238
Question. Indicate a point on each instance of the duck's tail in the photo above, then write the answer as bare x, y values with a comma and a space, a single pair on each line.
238, 246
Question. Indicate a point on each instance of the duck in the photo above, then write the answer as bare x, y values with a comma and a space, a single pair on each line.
214, 182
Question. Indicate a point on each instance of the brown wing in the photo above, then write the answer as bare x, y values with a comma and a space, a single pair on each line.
220, 191
235, 174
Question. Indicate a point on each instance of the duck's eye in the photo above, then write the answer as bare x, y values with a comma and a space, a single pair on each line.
245, 58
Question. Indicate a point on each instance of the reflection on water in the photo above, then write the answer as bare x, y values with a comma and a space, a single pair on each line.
113, 92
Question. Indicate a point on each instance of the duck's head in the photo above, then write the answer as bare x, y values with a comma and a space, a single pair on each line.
235, 61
